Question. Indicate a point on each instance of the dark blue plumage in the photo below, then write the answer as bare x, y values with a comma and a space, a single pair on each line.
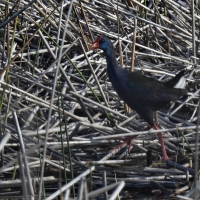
143, 94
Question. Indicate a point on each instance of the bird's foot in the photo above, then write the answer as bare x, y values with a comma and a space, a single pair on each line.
127, 140
163, 158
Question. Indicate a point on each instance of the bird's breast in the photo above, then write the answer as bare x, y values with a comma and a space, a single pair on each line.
119, 83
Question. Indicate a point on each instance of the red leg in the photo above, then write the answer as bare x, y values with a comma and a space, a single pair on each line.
165, 157
130, 140
127, 140
160, 137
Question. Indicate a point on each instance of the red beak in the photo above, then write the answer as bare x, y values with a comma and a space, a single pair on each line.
95, 44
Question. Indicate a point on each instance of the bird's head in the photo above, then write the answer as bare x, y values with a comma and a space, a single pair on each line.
100, 43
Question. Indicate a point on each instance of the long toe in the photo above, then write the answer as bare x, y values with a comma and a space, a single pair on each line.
127, 140
130, 143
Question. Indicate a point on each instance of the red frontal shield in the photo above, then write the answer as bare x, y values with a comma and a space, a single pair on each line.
95, 44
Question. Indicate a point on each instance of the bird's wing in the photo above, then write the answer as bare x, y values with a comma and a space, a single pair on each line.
150, 91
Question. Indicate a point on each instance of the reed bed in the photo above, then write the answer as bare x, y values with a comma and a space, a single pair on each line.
60, 117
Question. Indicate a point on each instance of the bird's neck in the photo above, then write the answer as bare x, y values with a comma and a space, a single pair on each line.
112, 66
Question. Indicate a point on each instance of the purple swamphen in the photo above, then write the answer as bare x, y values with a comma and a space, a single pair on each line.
142, 94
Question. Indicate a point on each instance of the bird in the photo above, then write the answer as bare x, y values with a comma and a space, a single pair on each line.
143, 94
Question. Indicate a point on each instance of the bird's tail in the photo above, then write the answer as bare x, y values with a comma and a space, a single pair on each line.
172, 82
